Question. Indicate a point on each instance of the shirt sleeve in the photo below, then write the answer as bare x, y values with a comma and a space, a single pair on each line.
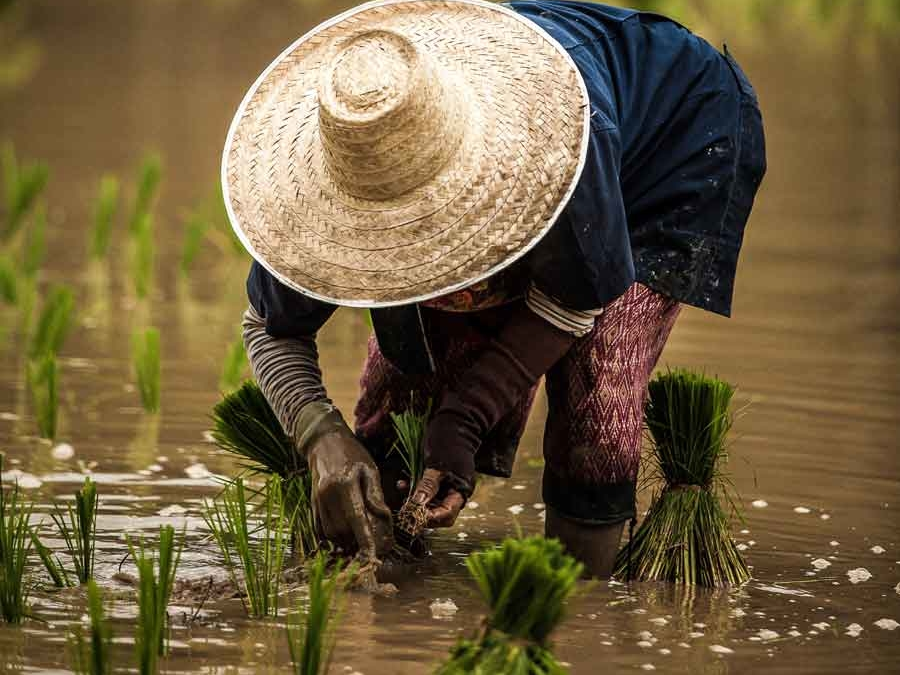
573, 321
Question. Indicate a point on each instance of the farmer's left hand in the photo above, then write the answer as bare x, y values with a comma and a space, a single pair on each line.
444, 503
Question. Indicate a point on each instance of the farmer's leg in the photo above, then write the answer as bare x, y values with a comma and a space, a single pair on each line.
592, 440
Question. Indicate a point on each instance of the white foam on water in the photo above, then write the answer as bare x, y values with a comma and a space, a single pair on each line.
820, 563
801, 509
197, 471
62, 452
155, 468
765, 634
539, 506
737, 612
28, 481
821, 625
664, 651
462, 535
742, 547
834, 542
659, 621
877, 550
759, 504
648, 666
519, 486
695, 634
784, 591
720, 649
897, 589
472, 505
443, 608
859, 574
645, 644
794, 633
516, 509
172, 510
853, 630
887, 624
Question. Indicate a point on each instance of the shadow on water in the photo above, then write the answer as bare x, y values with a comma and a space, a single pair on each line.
813, 345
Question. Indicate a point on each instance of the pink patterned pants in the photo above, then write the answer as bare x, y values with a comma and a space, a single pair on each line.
596, 395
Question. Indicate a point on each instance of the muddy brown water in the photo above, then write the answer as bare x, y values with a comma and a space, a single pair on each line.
813, 347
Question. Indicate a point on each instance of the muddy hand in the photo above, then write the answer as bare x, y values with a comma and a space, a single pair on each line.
348, 503
444, 504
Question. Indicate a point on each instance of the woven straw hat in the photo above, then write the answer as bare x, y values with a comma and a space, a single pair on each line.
404, 150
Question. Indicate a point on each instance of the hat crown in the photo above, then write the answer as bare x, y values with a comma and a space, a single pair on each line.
388, 117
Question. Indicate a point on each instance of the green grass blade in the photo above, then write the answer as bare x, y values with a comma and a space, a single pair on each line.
41, 376
53, 323
105, 206
9, 282
35, 243
143, 256
15, 548
149, 176
22, 187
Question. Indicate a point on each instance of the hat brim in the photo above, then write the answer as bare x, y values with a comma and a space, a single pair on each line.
523, 151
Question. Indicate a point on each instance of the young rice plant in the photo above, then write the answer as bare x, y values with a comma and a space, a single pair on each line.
22, 187
53, 323
105, 206
41, 376
685, 537
15, 547
90, 654
77, 527
146, 358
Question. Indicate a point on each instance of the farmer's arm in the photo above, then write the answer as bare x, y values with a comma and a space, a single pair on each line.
279, 330
537, 334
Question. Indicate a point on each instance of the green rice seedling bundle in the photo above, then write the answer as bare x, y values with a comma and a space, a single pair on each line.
15, 547
245, 425
409, 428
53, 323
526, 583
35, 248
9, 282
234, 367
22, 187
91, 654
156, 577
255, 546
311, 630
143, 255
146, 359
105, 206
41, 376
685, 537
77, 527
149, 175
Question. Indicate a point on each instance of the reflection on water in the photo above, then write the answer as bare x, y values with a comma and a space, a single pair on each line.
813, 346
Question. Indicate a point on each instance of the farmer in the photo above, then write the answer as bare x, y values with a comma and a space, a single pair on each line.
515, 191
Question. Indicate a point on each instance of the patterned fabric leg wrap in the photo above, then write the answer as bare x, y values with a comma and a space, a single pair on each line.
596, 395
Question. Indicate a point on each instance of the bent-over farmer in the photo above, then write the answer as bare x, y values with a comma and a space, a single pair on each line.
517, 192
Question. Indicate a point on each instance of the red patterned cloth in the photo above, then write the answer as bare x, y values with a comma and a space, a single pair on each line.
596, 397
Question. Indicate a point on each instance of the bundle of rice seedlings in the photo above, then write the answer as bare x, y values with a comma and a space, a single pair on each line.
234, 367
143, 255
156, 576
90, 654
107, 201
409, 427
53, 323
77, 527
254, 547
15, 547
245, 425
149, 175
526, 583
311, 630
685, 537
146, 359
22, 186
41, 377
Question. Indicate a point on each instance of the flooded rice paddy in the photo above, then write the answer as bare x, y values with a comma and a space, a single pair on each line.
814, 347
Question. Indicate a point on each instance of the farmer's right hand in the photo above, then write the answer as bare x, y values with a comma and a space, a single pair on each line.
348, 504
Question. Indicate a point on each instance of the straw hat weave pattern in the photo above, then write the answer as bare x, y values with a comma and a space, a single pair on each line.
404, 150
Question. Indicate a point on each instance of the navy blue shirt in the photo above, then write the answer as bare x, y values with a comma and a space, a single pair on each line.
676, 156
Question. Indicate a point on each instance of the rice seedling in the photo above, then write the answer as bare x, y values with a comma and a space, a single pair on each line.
526, 583
409, 427
255, 548
105, 206
685, 537
22, 187
146, 358
15, 548
143, 255
53, 323
156, 577
149, 175
234, 367
311, 631
35, 248
77, 527
9, 283
58, 574
41, 376
91, 654
195, 229
245, 425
